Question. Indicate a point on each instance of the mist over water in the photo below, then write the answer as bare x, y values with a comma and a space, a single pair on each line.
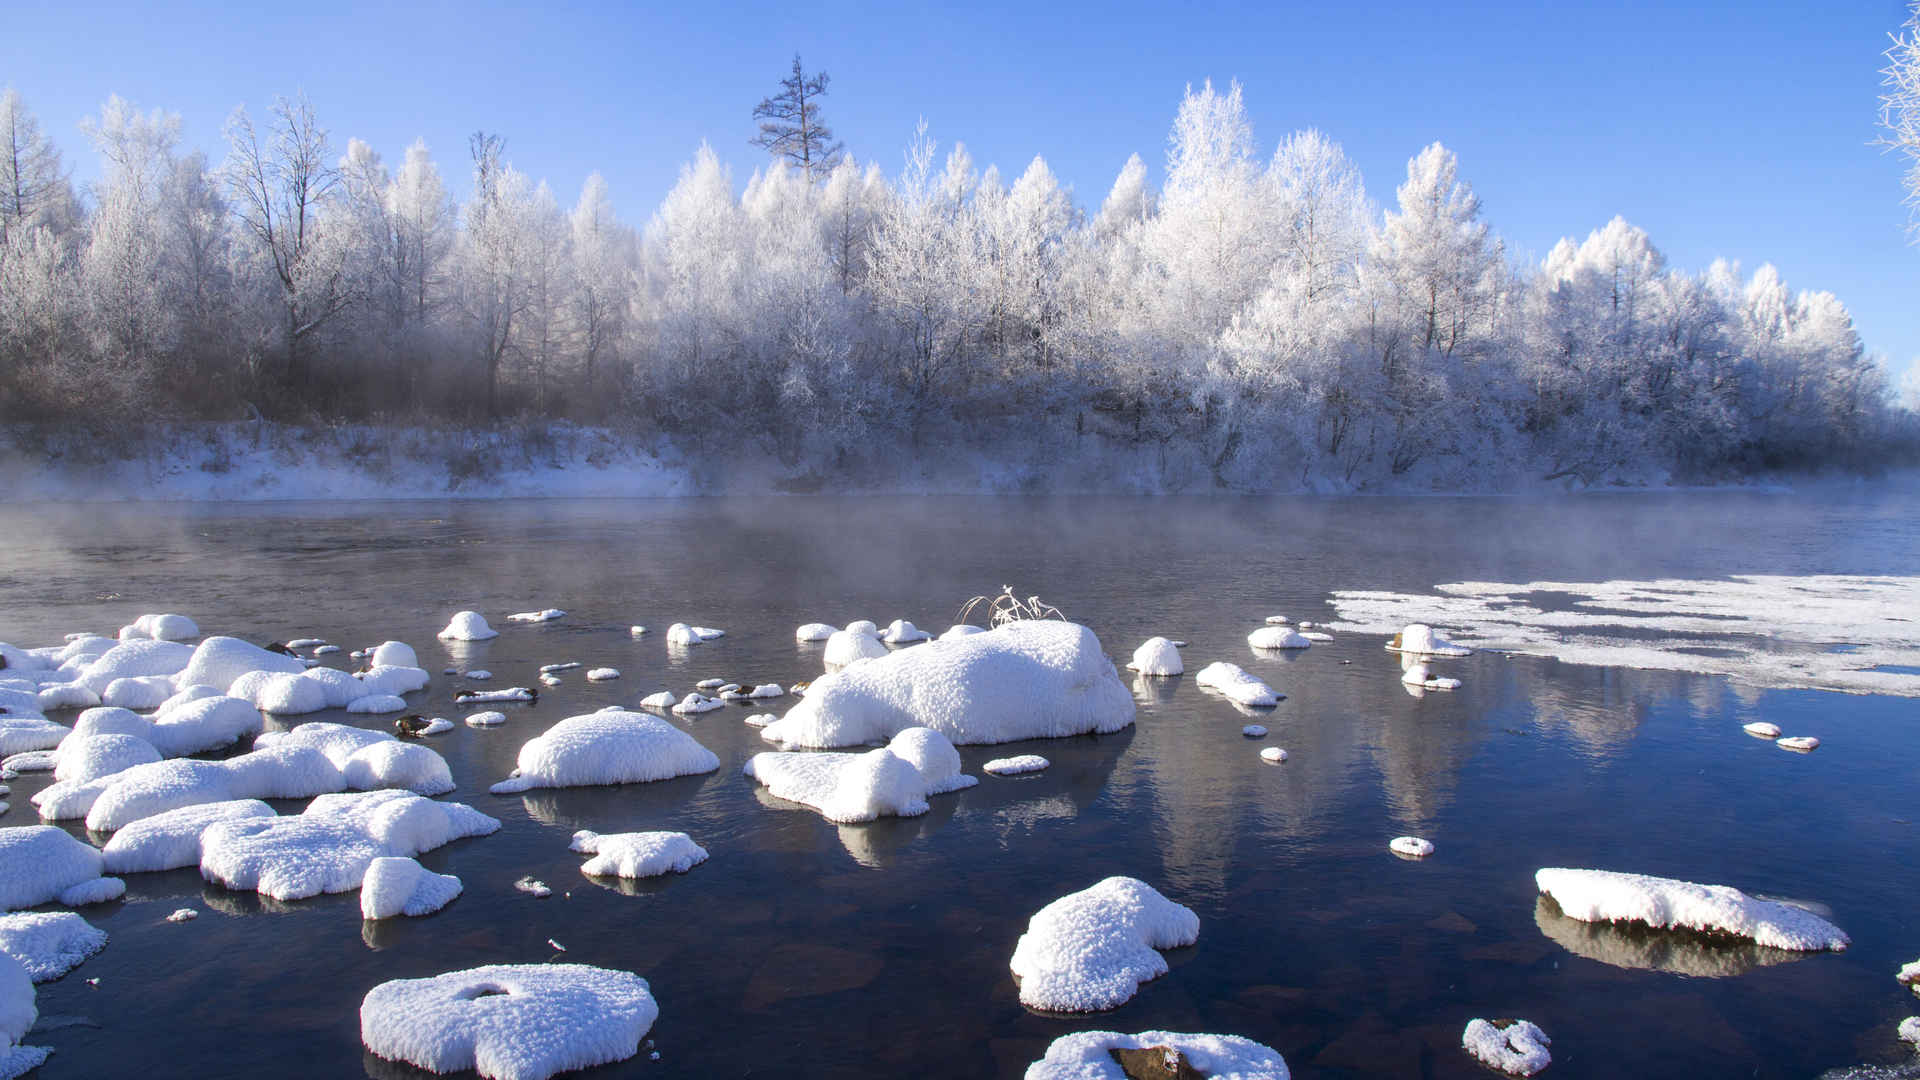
802, 948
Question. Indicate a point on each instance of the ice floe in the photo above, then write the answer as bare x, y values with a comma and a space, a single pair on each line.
858, 641
171, 839
1024, 680
1157, 656
1089, 1055
1014, 766
327, 848
893, 780
1277, 637
1662, 903
1090, 950
1233, 681
814, 631
398, 885
565, 665
44, 864
547, 615
900, 632
467, 626
1413, 847
509, 1021
17, 1015
486, 719
603, 674
1519, 1048
49, 943
637, 854
1850, 633
682, 634
607, 747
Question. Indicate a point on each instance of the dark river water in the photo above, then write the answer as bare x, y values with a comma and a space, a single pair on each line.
806, 949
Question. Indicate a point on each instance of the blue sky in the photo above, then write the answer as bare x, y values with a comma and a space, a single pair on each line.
1736, 130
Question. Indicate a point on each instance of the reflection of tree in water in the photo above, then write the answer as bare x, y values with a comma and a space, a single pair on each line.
603, 807
1599, 708
1419, 750
1642, 948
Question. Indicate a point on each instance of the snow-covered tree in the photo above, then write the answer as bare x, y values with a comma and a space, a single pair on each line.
33, 185
1900, 105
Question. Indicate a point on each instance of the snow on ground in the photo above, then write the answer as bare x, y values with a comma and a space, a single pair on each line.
17, 1015
1157, 656
327, 848
1663, 903
171, 840
49, 943
608, 747
40, 864
467, 626
637, 854
1277, 637
1822, 632
397, 885
1014, 766
1090, 950
1087, 1055
1233, 681
1024, 680
814, 631
893, 780
1518, 1049
509, 1021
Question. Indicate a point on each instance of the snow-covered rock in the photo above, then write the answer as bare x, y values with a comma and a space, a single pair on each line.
138, 692
218, 661
661, 700
393, 679
1233, 681
1014, 766
1413, 847
49, 943
468, 626
1273, 755
637, 854
135, 658
291, 695
17, 1015
682, 634
327, 848
88, 757
608, 747
485, 697
1024, 680
1090, 950
40, 864
65, 695
202, 724
483, 675
900, 632
486, 719
1760, 729
1519, 1049
636, 631
1909, 1031
393, 654
19, 734
960, 630
1421, 640
398, 885
858, 641
1157, 656
1277, 637
1663, 903
1087, 1055
337, 688
753, 693
371, 759
167, 627
377, 704
814, 631
509, 1022
547, 615
1797, 742
603, 674
1254, 731
893, 780
696, 703
170, 840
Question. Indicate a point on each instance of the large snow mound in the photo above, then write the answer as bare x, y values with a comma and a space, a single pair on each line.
859, 641
370, 759
1662, 903
133, 658
1024, 680
1233, 681
218, 661
397, 885
88, 757
49, 943
814, 631
17, 1014
1090, 950
1518, 1049
608, 747
327, 848
1157, 656
40, 864
19, 734
637, 854
893, 780
468, 626
171, 840
1086, 1055
509, 1021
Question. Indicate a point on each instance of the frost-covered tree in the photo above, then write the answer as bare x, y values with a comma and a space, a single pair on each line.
1900, 105
603, 285
697, 271
790, 124
34, 189
132, 323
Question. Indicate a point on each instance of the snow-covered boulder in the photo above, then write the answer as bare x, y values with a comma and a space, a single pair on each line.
134, 658
664, 699
1760, 729
1091, 950
608, 747
900, 632
1421, 640
394, 654
398, 885
88, 757
480, 697
959, 630
546, 615
65, 695
17, 1015
391, 679
291, 695
202, 724
1666, 903
694, 704
1024, 680
893, 780
218, 661
19, 734
376, 704
49, 943
1517, 1049
171, 840
1014, 766
40, 863
603, 674
368, 760
1909, 1031
337, 688
1277, 637
1233, 681
637, 854
193, 692
1413, 847
814, 631
145, 790
327, 848
859, 641
486, 719
468, 626
509, 1021
167, 627
138, 691
1157, 656
682, 634
1088, 1055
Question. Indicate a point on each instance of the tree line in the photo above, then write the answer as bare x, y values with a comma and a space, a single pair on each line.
1255, 320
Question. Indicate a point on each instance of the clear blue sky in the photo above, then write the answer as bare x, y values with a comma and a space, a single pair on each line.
1737, 130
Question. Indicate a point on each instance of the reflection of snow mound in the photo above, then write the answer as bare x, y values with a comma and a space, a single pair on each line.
509, 1021
608, 747
1085, 1056
1518, 1049
893, 780
1765, 630
1090, 950
1607, 896
1627, 945
637, 854
49, 943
